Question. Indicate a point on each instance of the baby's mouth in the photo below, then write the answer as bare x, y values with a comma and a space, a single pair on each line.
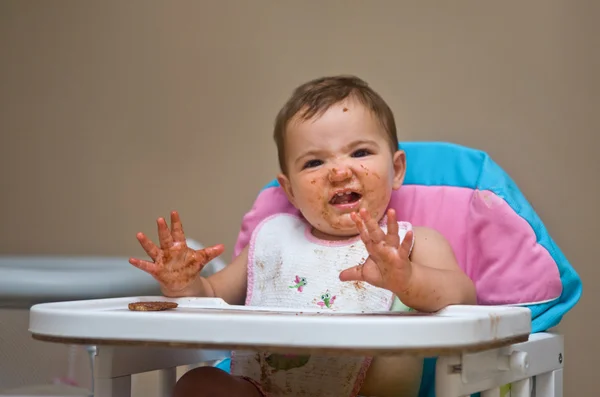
345, 198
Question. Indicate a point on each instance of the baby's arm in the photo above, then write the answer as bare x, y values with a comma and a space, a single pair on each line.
436, 279
228, 284
427, 278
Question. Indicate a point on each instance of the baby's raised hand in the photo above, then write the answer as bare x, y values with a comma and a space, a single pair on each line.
388, 265
174, 265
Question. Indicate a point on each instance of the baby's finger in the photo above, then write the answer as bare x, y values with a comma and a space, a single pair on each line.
177, 227
375, 232
148, 246
392, 238
146, 266
407, 243
206, 255
360, 225
352, 274
164, 235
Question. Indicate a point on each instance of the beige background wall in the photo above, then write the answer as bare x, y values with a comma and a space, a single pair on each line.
114, 112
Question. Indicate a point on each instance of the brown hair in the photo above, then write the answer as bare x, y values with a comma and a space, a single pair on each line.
316, 96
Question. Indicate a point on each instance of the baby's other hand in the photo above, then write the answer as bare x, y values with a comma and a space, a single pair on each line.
388, 265
174, 265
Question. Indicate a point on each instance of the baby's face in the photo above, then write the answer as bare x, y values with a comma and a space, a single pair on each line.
338, 163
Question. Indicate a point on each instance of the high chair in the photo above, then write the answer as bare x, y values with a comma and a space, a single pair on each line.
505, 346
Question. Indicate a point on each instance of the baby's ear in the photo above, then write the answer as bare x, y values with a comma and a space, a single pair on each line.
399, 161
287, 188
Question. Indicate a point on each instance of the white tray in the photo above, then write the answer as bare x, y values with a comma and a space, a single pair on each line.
211, 323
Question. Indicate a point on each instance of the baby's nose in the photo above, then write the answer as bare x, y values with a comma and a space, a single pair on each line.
340, 173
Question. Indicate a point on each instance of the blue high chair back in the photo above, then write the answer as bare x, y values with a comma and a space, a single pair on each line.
498, 239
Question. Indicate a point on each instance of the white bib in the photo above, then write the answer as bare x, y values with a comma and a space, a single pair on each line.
288, 267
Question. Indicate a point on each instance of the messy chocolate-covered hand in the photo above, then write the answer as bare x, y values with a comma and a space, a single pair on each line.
174, 265
388, 265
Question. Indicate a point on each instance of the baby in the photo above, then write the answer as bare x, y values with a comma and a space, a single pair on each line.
339, 159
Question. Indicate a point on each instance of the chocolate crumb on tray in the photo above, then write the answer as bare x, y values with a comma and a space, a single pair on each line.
151, 306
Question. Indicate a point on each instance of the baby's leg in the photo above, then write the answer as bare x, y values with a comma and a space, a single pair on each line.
213, 382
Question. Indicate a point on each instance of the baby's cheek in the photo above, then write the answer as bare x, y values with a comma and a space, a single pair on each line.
314, 197
312, 204
313, 189
314, 200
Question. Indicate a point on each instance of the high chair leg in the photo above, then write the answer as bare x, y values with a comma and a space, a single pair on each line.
113, 387
108, 382
549, 384
166, 381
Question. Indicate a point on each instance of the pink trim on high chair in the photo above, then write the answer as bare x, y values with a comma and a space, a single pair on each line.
491, 242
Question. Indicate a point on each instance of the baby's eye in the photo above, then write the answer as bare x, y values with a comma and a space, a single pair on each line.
312, 164
361, 153
323, 297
